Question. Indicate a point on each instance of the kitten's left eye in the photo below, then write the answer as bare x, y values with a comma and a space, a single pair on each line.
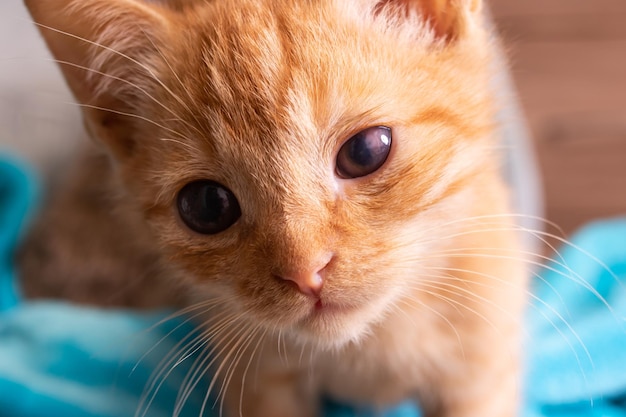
364, 152
208, 207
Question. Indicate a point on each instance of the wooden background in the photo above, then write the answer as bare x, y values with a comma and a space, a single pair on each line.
569, 63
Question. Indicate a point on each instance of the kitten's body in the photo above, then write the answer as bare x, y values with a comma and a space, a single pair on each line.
85, 247
424, 288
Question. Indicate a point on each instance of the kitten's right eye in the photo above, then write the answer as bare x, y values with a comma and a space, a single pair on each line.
208, 207
364, 152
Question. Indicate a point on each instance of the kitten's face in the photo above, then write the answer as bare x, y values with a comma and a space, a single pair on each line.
266, 100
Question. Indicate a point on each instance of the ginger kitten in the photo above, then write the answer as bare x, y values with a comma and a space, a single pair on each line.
321, 177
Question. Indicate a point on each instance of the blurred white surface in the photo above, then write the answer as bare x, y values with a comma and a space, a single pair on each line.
38, 120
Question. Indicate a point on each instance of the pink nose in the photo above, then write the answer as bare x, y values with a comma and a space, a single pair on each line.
309, 280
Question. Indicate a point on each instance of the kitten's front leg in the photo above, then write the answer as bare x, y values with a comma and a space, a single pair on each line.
486, 382
274, 385
491, 393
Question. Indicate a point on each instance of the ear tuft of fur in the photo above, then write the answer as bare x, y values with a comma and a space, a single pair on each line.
99, 43
448, 19
107, 51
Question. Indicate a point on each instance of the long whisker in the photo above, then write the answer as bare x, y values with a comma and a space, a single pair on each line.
470, 251
122, 55
553, 325
188, 146
458, 304
221, 335
563, 241
206, 305
237, 350
129, 83
241, 334
572, 276
441, 316
245, 372
203, 366
230, 372
540, 235
180, 82
503, 216
171, 361
132, 115
548, 306
161, 373
465, 293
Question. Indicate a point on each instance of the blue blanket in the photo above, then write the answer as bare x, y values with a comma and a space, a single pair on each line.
68, 361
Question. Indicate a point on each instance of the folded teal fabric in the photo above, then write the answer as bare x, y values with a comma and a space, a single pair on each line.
62, 360
18, 191
577, 327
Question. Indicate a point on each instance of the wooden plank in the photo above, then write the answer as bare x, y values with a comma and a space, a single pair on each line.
587, 27
503, 8
569, 63
584, 179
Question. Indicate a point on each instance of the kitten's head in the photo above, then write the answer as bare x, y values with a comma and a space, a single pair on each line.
294, 158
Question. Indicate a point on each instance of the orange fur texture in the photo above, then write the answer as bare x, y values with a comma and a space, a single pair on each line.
425, 286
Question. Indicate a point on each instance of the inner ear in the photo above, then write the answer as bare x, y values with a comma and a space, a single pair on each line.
447, 18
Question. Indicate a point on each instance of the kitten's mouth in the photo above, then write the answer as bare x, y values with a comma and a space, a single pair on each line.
324, 307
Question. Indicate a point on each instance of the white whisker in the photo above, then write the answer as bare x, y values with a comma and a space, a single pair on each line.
203, 366
245, 372
180, 82
131, 115
230, 372
131, 84
122, 55
548, 306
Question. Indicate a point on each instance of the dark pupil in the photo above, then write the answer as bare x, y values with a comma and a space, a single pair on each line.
364, 152
208, 207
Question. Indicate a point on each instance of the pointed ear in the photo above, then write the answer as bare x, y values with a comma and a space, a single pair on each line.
104, 49
449, 19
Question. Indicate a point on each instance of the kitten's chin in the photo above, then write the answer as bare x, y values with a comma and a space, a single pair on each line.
332, 327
